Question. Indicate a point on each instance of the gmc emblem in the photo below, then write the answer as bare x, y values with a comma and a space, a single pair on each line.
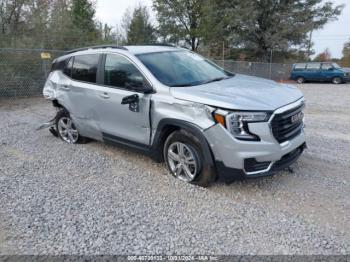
297, 117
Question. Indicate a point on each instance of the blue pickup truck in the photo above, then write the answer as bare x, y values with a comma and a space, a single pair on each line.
319, 72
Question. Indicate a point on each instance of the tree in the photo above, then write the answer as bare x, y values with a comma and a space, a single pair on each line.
180, 20
83, 13
267, 25
345, 61
138, 27
324, 56
62, 30
11, 22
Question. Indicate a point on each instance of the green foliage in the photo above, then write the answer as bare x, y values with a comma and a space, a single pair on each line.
180, 21
83, 12
139, 29
256, 25
237, 29
345, 60
52, 24
270, 24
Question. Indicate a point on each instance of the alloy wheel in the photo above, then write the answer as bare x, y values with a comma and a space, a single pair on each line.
67, 130
182, 161
336, 80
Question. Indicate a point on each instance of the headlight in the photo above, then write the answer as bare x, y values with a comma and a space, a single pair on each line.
237, 122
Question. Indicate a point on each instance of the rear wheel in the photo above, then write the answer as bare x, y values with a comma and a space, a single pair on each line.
337, 80
300, 80
66, 129
185, 160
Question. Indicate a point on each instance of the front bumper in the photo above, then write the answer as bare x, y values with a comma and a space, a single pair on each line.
228, 174
346, 78
237, 159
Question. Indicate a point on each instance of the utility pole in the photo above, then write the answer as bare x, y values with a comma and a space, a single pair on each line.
223, 54
309, 47
271, 52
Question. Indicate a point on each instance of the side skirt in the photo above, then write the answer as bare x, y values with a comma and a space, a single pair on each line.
118, 141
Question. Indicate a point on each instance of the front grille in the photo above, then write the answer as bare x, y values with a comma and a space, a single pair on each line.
283, 126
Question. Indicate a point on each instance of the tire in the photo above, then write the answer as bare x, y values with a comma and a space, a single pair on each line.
66, 129
337, 80
300, 80
190, 165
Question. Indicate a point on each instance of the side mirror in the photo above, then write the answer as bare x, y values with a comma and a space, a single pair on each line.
139, 84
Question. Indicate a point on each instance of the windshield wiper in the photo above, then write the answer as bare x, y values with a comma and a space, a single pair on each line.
202, 83
182, 85
216, 80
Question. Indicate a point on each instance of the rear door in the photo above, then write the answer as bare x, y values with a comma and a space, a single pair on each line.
82, 96
313, 72
125, 123
298, 70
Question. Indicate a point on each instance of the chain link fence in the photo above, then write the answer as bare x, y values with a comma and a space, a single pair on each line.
23, 71
274, 71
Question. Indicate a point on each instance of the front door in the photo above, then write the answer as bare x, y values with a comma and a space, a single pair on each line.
122, 122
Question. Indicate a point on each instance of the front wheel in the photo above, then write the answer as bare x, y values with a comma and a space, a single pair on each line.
337, 80
185, 160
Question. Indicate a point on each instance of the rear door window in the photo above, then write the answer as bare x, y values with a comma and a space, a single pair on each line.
85, 68
313, 66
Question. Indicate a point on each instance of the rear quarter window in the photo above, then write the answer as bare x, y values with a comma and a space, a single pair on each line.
67, 70
58, 65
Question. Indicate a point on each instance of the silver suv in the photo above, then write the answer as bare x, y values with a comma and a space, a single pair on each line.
204, 122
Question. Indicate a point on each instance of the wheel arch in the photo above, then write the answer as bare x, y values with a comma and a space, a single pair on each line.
167, 126
58, 105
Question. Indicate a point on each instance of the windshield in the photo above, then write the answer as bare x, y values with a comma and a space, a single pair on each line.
336, 66
182, 68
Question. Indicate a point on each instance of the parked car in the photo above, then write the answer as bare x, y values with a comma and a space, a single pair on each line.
178, 107
319, 72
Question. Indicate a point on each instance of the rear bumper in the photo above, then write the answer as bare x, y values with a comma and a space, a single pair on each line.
228, 174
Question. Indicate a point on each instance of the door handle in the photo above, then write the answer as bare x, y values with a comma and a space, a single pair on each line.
104, 95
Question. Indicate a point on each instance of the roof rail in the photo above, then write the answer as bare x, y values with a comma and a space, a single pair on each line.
96, 47
155, 44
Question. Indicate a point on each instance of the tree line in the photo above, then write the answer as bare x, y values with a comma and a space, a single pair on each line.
264, 30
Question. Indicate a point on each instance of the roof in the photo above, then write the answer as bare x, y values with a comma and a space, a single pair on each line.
134, 49
142, 49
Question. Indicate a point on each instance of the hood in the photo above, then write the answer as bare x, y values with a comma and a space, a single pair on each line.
240, 92
345, 69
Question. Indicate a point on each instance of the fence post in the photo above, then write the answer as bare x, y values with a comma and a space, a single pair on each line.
44, 68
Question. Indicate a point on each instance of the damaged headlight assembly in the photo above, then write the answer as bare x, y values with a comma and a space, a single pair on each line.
237, 122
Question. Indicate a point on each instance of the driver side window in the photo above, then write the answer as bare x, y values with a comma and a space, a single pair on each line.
120, 72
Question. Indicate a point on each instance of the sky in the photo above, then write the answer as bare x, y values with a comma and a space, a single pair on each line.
332, 36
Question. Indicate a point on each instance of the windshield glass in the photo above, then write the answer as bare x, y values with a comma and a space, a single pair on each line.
182, 68
336, 66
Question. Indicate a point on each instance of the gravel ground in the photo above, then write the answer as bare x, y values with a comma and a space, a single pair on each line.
96, 199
